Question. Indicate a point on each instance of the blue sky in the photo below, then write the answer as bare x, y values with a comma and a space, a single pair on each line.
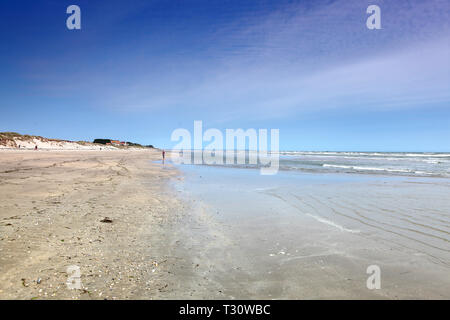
137, 70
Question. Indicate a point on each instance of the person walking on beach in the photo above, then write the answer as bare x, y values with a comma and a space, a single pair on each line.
163, 155
35, 147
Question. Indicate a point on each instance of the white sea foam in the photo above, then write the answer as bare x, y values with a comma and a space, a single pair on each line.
359, 168
367, 168
331, 223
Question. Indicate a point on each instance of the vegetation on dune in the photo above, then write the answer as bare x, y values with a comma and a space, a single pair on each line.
102, 141
128, 143
25, 137
9, 135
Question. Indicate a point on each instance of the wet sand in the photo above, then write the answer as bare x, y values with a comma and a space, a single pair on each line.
312, 236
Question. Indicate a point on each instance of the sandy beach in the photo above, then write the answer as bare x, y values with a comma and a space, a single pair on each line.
140, 229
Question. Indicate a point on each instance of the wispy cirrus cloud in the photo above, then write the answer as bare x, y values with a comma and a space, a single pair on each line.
302, 56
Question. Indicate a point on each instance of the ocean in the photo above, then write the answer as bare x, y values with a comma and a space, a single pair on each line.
385, 163
389, 163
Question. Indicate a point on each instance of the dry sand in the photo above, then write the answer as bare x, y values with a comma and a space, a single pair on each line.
52, 204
